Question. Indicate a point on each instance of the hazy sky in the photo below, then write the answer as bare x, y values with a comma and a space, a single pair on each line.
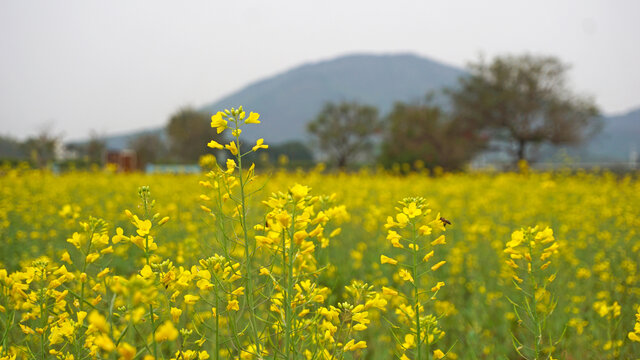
114, 66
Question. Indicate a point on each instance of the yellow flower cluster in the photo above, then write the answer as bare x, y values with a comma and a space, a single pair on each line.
236, 274
418, 229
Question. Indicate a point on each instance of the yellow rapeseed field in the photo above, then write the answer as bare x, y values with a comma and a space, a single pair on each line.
272, 264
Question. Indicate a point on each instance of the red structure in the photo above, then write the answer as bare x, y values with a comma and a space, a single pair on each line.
125, 160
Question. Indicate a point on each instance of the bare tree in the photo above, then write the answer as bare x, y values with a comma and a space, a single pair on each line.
345, 130
524, 100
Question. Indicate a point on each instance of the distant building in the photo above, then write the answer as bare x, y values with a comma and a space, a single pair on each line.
66, 151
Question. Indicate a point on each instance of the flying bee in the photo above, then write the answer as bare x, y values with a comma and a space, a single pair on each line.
445, 222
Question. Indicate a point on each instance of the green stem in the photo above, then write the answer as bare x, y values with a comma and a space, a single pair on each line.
215, 293
534, 311
43, 325
289, 318
84, 268
145, 201
247, 251
416, 299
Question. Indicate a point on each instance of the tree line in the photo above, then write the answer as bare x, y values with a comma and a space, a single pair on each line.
511, 104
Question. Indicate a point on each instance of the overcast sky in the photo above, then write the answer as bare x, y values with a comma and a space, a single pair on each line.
115, 66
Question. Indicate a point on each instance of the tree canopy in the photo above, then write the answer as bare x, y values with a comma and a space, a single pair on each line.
189, 133
344, 131
422, 133
523, 100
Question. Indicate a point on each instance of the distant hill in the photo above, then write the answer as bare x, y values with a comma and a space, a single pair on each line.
288, 101
619, 137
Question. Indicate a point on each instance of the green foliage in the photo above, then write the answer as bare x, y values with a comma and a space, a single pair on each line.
345, 130
295, 151
189, 132
41, 148
10, 148
523, 100
291, 154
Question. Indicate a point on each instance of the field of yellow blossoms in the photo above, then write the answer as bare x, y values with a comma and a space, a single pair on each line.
245, 263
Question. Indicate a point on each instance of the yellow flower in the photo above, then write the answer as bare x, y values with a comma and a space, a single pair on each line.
545, 236
218, 122
517, 237
438, 265
104, 342
191, 299
428, 256
233, 305
166, 331
394, 237
424, 230
76, 240
144, 226
260, 145
438, 354
126, 351
81, 316
232, 148
387, 260
215, 145
146, 272
119, 236
409, 341
377, 302
405, 275
389, 291
92, 257
253, 118
103, 273
352, 345
66, 257
231, 166
237, 292
359, 327
412, 211
299, 191
175, 314
438, 286
402, 219
439, 241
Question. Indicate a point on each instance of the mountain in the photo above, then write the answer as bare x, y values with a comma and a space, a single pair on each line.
288, 101
619, 138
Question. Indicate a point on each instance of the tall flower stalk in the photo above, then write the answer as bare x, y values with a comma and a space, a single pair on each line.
530, 252
413, 233
234, 120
